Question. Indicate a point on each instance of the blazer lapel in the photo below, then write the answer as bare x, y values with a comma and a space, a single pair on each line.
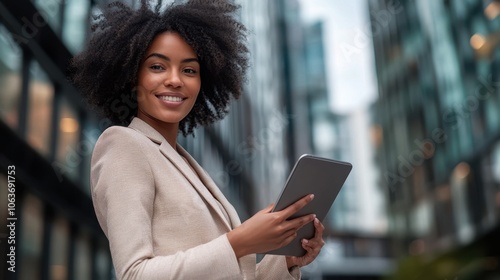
209, 184
207, 191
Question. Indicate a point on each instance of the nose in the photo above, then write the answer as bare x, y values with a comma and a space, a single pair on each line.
173, 79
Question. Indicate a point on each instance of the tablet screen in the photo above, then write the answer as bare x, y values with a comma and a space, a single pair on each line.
311, 175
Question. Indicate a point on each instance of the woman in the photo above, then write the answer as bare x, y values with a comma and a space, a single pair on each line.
158, 72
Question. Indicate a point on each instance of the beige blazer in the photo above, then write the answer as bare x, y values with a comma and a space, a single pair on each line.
162, 219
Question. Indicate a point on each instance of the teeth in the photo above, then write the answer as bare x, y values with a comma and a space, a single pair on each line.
170, 98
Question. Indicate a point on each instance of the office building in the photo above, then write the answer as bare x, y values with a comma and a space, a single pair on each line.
249, 159
47, 139
356, 245
437, 65
48, 135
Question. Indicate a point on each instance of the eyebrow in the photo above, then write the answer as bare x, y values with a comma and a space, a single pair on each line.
164, 57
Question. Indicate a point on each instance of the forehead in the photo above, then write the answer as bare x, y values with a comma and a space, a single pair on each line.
171, 43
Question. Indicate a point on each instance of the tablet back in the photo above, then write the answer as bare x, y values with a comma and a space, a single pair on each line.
311, 175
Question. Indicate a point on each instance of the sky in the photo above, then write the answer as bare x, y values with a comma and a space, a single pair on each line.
349, 51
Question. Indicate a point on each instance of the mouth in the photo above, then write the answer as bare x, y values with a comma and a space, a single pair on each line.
170, 98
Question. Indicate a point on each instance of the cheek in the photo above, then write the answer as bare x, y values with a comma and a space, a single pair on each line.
196, 87
141, 97
145, 85
147, 82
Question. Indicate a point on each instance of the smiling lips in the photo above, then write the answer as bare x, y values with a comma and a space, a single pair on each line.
170, 98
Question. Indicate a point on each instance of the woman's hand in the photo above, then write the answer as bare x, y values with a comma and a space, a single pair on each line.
312, 246
268, 230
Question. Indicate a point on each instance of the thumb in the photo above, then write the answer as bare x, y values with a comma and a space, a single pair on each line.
268, 209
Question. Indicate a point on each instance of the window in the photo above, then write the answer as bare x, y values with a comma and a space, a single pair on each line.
76, 20
492, 115
41, 93
50, 10
495, 166
90, 134
420, 218
439, 162
10, 78
68, 155
445, 224
58, 266
31, 238
3, 205
461, 211
103, 263
83, 264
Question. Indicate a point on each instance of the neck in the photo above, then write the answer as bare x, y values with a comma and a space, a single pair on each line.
167, 130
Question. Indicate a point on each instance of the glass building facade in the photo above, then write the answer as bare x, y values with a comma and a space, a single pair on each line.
435, 61
353, 249
47, 137
437, 65
246, 153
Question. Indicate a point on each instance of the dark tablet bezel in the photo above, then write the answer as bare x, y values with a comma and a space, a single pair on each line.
320, 176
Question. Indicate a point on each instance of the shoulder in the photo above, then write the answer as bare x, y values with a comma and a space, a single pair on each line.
121, 141
121, 135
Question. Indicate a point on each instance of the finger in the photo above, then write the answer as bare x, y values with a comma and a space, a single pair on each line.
308, 257
314, 245
299, 222
312, 250
292, 209
268, 209
293, 259
320, 228
289, 233
317, 241
306, 244
289, 236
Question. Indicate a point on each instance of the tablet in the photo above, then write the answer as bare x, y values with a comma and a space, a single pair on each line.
311, 175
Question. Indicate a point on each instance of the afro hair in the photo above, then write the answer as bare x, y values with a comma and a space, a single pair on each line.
106, 71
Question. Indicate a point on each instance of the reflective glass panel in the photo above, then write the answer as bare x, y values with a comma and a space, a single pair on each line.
90, 134
10, 78
31, 238
41, 93
68, 154
50, 10
103, 263
76, 21
492, 115
496, 164
58, 267
3, 204
83, 264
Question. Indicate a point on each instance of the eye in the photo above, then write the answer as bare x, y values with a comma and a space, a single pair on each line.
190, 71
156, 67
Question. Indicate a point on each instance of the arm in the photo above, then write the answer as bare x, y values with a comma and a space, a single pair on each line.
266, 231
123, 191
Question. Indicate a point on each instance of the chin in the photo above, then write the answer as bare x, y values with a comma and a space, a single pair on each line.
170, 119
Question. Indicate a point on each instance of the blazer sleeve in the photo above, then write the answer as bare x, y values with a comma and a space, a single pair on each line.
274, 267
123, 193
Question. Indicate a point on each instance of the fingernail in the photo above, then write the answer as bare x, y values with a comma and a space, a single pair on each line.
316, 220
305, 241
312, 196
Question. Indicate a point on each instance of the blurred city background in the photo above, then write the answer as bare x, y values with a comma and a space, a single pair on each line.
405, 90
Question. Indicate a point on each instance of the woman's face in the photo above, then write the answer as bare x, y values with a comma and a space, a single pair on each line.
168, 80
